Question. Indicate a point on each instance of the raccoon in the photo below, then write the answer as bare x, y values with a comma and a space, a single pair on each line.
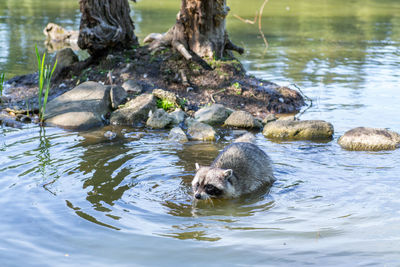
239, 169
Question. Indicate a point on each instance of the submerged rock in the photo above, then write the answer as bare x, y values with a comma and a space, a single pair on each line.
299, 130
177, 134
363, 138
82, 108
214, 114
243, 119
201, 132
159, 119
135, 111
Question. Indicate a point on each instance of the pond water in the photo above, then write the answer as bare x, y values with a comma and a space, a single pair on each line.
69, 198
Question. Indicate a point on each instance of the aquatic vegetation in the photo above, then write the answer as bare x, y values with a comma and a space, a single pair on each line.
45, 74
2, 76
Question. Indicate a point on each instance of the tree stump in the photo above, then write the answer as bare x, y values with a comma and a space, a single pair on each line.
105, 25
200, 28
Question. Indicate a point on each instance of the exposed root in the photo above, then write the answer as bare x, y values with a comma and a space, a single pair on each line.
231, 46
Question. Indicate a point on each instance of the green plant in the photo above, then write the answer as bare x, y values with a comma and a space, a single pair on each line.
165, 104
2, 76
45, 75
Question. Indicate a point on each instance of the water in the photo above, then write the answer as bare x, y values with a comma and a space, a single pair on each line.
70, 198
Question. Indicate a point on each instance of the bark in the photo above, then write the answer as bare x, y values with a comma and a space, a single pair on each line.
105, 25
200, 30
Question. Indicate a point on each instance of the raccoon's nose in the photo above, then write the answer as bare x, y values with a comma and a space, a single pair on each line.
198, 196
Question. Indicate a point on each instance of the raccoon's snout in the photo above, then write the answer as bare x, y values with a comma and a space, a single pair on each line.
197, 196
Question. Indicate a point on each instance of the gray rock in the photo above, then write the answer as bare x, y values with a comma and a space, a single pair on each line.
214, 114
177, 134
189, 121
299, 130
373, 139
135, 111
270, 117
117, 96
287, 118
242, 119
165, 95
177, 116
159, 119
132, 86
65, 58
201, 132
82, 108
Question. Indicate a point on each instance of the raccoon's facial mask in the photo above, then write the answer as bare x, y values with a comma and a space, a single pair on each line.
211, 182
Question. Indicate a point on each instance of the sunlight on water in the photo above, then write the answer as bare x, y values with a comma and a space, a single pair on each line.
70, 198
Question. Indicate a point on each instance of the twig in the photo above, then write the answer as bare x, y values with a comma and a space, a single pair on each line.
260, 27
212, 95
306, 97
246, 20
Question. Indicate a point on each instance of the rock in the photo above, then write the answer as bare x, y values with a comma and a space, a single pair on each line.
189, 121
135, 111
214, 114
287, 118
247, 138
363, 138
242, 119
201, 132
117, 96
131, 86
299, 130
165, 95
177, 134
159, 119
9, 121
270, 117
65, 58
110, 135
82, 108
178, 116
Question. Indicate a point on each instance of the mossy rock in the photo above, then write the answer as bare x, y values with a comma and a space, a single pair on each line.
369, 139
299, 130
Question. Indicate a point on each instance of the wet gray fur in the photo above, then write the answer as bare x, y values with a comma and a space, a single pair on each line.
239, 169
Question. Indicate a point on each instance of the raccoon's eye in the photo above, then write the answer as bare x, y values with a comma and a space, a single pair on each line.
197, 186
212, 190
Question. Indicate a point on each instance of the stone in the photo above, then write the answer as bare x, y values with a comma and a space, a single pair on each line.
201, 132
158, 119
369, 139
270, 117
177, 134
242, 119
132, 86
287, 118
65, 58
117, 96
165, 95
214, 114
81, 108
178, 116
299, 130
135, 111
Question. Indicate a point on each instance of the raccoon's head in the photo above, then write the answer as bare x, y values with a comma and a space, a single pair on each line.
213, 183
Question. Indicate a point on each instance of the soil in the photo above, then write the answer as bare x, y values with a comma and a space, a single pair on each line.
196, 83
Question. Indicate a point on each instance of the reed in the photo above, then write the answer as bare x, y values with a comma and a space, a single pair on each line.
45, 74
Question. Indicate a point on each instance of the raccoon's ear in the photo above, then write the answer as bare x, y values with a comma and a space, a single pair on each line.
228, 173
197, 166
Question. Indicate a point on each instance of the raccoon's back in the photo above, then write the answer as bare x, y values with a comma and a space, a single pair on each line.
250, 164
